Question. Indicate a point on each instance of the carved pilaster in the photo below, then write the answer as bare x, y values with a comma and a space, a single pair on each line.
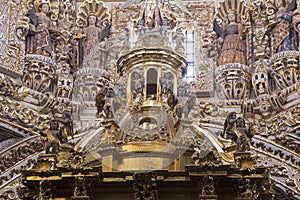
80, 189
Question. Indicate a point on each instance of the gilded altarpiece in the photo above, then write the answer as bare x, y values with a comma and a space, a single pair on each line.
93, 101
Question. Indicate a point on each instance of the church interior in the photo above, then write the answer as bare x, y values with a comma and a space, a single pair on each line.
150, 99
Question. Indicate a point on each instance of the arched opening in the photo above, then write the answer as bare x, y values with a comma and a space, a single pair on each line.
151, 87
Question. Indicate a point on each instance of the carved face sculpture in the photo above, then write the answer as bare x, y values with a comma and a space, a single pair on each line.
53, 125
231, 17
136, 75
44, 8
92, 20
231, 115
167, 76
110, 93
181, 92
19, 33
240, 122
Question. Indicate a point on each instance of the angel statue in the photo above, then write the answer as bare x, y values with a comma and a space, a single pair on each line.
94, 46
236, 130
244, 135
93, 20
38, 37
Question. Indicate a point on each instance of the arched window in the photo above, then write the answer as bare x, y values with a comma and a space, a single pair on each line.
151, 87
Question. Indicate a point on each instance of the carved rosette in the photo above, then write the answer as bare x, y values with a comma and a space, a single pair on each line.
39, 73
93, 7
233, 81
285, 69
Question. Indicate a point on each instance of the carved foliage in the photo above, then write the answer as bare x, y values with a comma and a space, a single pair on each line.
145, 186
38, 75
233, 81
285, 69
17, 153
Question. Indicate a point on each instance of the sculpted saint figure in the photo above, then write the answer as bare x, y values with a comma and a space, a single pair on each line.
93, 44
232, 46
284, 37
38, 38
91, 58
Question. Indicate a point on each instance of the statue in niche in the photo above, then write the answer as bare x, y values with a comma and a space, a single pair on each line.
140, 27
165, 27
126, 41
45, 192
100, 102
94, 47
80, 187
284, 37
137, 84
109, 100
229, 126
178, 37
172, 101
67, 127
166, 83
38, 37
232, 46
104, 101
246, 190
104, 50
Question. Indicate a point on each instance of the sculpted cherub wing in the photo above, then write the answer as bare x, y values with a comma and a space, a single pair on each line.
218, 29
291, 6
105, 32
33, 17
